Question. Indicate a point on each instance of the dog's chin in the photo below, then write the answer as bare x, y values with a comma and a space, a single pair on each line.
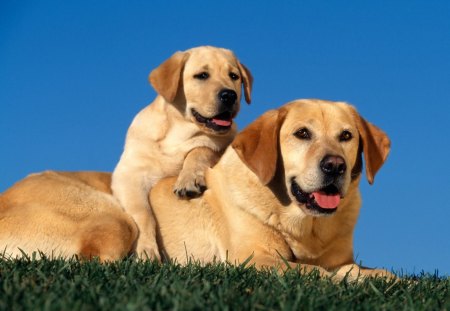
219, 124
322, 202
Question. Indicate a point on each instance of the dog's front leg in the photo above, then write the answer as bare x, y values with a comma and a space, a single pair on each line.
282, 266
191, 180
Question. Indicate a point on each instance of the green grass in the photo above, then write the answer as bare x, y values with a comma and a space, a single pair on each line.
58, 284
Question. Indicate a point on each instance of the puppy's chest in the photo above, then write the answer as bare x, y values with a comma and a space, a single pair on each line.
180, 140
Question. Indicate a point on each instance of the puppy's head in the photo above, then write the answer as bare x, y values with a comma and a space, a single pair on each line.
318, 145
205, 84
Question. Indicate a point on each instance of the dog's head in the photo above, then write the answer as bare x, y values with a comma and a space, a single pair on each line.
316, 147
205, 84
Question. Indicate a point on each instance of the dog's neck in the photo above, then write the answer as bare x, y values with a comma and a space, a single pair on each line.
177, 107
310, 238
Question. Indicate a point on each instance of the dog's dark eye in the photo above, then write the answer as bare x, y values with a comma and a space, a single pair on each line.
234, 76
202, 76
303, 133
345, 136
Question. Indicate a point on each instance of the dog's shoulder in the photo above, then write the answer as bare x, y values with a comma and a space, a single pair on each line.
152, 122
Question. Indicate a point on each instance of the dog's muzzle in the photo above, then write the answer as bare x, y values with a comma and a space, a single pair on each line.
324, 201
220, 123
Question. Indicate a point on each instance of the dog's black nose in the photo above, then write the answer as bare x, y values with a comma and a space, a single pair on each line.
333, 165
228, 97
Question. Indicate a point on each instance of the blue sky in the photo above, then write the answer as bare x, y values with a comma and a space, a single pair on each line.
74, 73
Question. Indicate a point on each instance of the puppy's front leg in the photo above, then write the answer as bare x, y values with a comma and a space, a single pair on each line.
132, 192
191, 180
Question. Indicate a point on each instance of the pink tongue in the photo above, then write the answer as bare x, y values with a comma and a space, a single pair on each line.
222, 122
327, 201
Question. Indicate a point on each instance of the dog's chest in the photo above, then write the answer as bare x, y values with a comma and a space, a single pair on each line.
180, 139
306, 246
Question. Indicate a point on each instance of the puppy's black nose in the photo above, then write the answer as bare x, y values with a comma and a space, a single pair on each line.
333, 165
228, 97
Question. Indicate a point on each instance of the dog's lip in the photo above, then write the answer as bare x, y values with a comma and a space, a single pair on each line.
309, 200
220, 122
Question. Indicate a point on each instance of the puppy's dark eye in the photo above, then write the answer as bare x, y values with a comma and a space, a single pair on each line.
234, 76
202, 76
345, 136
303, 133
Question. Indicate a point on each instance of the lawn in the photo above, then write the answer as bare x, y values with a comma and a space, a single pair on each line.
58, 284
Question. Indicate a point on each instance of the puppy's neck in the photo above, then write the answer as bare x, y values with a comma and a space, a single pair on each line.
179, 103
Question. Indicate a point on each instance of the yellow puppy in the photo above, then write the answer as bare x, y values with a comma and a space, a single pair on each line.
181, 133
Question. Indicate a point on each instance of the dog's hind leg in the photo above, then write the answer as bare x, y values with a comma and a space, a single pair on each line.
110, 238
132, 192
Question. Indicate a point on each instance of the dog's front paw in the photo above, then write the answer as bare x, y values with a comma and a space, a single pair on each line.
353, 272
188, 187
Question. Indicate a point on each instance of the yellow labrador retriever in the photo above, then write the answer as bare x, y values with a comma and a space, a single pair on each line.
181, 133
285, 192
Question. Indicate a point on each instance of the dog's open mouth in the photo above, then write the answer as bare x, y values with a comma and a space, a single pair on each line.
220, 123
323, 201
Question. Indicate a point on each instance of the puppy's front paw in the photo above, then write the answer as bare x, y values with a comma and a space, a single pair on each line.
189, 186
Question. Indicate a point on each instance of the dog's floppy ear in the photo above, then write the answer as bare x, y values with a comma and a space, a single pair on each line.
257, 145
376, 146
247, 81
165, 79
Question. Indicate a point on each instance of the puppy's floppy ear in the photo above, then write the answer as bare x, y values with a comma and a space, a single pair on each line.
257, 145
376, 146
165, 79
247, 81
